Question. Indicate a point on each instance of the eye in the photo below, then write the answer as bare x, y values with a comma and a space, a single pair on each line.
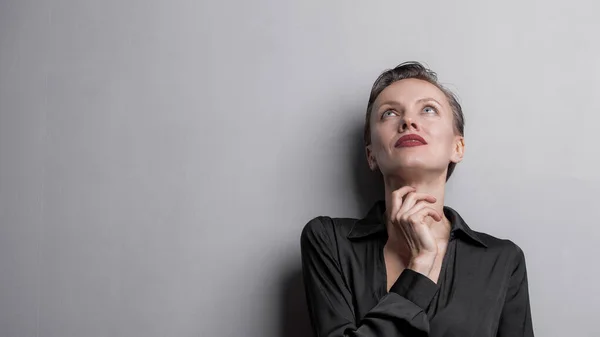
430, 110
389, 113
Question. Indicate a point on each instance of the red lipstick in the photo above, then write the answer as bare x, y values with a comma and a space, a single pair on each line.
410, 141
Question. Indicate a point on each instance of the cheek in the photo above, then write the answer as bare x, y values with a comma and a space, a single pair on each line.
444, 140
440, 132
381, 136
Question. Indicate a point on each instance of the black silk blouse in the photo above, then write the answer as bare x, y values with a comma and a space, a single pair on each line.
481, 291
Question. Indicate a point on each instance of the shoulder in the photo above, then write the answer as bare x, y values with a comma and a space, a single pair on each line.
326, 230
325, 233
502, 246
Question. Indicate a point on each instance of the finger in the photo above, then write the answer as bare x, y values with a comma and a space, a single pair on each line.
424, 239
396, 199
420, 205
405, 225
424, 236
418, 214
412, 199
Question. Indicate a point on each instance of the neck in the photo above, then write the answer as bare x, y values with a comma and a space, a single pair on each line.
435, 187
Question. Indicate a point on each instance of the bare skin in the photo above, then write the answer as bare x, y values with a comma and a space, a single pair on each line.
414, 176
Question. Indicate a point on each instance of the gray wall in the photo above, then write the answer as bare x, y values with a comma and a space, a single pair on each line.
158, 159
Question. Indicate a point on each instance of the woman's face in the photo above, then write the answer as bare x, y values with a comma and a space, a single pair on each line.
403, 112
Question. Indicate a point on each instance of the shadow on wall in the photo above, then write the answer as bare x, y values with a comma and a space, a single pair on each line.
368, 187
294, 313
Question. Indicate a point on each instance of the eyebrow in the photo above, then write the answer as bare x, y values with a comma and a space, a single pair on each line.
429, 99
421, 100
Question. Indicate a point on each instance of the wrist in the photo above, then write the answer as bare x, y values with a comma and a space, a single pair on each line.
423, 263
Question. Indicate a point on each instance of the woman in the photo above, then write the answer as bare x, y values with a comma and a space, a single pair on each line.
412, 267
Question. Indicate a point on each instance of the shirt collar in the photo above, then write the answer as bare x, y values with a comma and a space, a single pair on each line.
374, 223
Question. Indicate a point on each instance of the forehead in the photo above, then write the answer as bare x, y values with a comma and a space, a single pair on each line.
410, 90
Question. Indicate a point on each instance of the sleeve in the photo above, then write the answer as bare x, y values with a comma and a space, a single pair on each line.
515, 319
330, 301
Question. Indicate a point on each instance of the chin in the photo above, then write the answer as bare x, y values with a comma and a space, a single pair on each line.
412, 167
411, 163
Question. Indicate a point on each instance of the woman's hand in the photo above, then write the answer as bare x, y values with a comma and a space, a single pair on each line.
411, 215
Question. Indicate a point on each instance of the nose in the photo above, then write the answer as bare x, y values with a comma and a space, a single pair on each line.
407, 124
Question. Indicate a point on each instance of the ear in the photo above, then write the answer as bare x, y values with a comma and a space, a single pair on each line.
371, 158
458, 150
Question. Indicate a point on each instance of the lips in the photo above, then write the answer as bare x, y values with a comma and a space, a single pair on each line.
410, 141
